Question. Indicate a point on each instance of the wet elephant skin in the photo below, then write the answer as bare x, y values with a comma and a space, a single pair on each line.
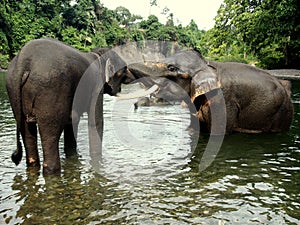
255, 100
41, 82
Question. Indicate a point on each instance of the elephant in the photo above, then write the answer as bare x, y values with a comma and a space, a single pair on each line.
42, 83
150, 101
255, 101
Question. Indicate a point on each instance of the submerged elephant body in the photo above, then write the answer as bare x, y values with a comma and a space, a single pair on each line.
41, 82
255, 101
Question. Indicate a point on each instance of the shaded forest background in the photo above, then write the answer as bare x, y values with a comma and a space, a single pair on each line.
261, 32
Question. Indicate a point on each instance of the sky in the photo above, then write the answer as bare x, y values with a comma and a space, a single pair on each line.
202, 12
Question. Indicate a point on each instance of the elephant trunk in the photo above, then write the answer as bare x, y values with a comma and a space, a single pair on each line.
146, 69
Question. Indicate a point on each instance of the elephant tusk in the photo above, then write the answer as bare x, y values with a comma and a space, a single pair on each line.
138, 94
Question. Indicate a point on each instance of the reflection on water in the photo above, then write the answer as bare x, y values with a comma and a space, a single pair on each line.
154, 177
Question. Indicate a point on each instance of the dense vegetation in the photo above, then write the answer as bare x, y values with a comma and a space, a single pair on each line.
264, 32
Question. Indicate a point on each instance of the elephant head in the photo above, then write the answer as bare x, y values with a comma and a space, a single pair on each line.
116, 73
186, 70
187, 76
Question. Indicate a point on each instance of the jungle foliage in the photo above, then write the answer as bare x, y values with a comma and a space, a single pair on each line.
265, 32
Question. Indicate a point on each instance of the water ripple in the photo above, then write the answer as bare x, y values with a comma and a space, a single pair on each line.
253, 180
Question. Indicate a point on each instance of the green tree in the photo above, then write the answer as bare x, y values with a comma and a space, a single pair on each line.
85, 24
267, 30
124, 17
6, 48
22, 21
191, 36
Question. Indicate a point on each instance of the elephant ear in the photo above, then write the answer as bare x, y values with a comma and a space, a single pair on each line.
203, 82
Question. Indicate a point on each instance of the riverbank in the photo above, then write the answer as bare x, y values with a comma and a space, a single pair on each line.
286, 74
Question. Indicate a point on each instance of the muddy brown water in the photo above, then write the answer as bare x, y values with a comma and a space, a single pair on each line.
149, 174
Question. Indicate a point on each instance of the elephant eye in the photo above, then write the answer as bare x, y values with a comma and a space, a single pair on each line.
172, 68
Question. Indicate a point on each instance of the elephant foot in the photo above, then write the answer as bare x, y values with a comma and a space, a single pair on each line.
16, 156
70, 151
51, 169
33, 171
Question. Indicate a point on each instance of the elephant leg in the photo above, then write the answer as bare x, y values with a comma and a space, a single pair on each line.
70, 144
232, 110
95, 144
95, 137
50, 135
95, 129
30, 142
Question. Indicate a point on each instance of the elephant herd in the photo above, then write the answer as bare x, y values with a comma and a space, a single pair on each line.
51, 84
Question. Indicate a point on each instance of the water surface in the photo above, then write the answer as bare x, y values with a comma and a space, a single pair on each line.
150, 174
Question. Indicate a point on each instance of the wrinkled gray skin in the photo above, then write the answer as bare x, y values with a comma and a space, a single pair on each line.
185, 69
41, 82
255, 101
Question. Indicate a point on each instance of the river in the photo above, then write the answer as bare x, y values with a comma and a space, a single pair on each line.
155, 178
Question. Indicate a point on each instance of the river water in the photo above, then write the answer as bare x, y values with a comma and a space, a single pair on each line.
149, 174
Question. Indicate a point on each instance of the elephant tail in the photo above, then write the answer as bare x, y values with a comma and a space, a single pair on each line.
14, 90
17, 154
